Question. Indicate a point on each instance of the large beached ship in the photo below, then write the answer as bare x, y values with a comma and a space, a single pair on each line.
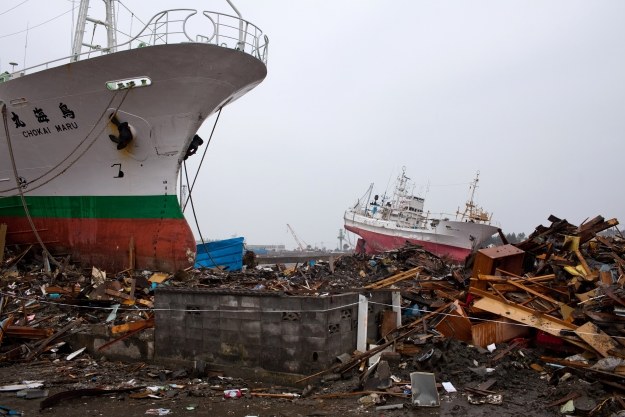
385, 224
92, 144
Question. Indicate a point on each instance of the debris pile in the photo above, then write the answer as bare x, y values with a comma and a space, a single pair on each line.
546, 314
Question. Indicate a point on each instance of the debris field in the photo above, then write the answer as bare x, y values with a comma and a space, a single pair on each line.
535, 327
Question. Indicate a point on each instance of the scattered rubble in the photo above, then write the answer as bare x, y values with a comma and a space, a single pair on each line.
536, 325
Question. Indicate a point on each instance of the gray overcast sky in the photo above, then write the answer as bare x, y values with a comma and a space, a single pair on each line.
530, 93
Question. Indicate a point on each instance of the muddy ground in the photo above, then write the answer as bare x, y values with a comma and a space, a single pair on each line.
526, 389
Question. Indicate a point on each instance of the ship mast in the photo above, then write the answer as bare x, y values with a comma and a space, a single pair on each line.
79, 32
472, 212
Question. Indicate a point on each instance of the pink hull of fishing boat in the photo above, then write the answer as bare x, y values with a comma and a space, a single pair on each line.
389, 224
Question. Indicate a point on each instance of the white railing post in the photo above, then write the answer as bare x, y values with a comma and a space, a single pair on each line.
397, 306
363, 318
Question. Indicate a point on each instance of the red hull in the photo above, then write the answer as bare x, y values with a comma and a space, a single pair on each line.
159, 244
377, 242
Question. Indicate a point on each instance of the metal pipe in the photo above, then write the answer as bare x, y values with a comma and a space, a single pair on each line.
241, 43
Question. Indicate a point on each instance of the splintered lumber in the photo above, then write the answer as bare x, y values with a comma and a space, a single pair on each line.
158, 277
146, 325
117, 294
389, 322
588, 230
408, 329
610, 293
26, 332
133, 325
599, 340
455, 324
534, 292
5, 324
589, 275
525, 315
503, 330
411, 273
44, 343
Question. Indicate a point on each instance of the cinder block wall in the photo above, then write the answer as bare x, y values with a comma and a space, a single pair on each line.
277, 333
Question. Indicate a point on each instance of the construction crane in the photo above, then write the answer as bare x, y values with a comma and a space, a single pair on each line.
302, 245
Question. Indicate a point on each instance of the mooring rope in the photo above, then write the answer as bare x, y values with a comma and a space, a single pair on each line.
197, 224
46, 253
20, 187
190, 187
76, 147
201, 161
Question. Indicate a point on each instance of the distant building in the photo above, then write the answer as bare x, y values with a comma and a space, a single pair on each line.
268, 248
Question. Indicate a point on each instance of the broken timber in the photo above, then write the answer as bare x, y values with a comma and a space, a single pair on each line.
525, 315
411, 273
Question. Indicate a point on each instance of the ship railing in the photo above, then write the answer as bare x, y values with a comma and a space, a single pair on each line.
174, 26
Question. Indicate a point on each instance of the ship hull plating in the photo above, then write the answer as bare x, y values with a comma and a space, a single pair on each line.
86, 197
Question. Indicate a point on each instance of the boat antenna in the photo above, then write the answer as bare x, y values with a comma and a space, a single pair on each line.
25, 45
473, 187
71, 30
388, 184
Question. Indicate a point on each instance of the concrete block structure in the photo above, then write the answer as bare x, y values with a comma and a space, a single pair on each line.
278, 333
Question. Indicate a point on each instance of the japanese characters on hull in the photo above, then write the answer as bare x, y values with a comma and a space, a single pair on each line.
41, 116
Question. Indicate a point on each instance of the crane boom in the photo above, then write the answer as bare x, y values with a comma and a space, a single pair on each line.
302, 245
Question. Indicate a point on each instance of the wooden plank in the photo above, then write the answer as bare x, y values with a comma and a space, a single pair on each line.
133, 325
158, 277
117, 294
534, 292
389, 322
411, 273
146, 303
590, 274
26, 332
503, 330
455, 325
525, 315
596, 338
122, 337
5, 324
605, 277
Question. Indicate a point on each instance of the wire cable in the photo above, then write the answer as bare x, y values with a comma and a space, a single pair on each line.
46, 253
14, 7
202, 160
36, 26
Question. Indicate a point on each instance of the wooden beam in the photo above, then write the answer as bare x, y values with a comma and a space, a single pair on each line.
534, 292
133, 325
525, 315
600, 341
411, 273
26, 332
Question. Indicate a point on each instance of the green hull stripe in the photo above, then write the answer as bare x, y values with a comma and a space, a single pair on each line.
95, 207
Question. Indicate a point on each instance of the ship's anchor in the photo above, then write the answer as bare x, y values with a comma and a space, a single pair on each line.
196, 142
125, 133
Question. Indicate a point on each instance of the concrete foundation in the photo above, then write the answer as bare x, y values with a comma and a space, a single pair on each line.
300, 335
272, 336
